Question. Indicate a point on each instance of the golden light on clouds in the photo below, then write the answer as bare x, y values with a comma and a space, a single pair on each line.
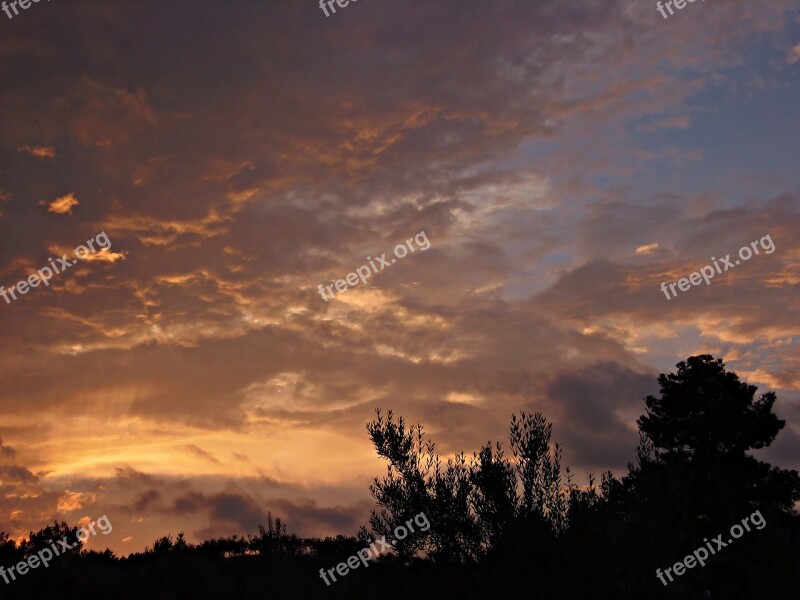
38, 151
461, 398
647, 249
72, 501
62, 205
105, 255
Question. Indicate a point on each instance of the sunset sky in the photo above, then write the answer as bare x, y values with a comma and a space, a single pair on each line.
563, 158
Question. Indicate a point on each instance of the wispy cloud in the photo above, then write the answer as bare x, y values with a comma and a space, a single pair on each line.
38, 151
647, 249
794, 55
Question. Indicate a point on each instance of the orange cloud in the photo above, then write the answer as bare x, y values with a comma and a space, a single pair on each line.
105, 255
38, 151
62, 205
647, 249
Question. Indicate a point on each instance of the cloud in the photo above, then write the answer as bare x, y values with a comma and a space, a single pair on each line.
596, 407
38, 151
6, 452
71, 501
62, 205
147, 501
106, 116
25, 502
105, 255
794, 55
674, 122
17, 474
307, 515
200, 452
647, 248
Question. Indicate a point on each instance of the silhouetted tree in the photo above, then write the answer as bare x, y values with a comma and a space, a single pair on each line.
230, 546
162, 545
51, 535
539, 470
494, 496
9, 553
693, 478
274, 540
487, 504
417, 482
703, 424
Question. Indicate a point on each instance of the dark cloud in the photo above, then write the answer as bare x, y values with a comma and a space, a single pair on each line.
6, 452
595, 407
16, 474
146, 501
309, 516
200, 452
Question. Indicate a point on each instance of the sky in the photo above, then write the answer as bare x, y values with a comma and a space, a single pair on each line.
563, 159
